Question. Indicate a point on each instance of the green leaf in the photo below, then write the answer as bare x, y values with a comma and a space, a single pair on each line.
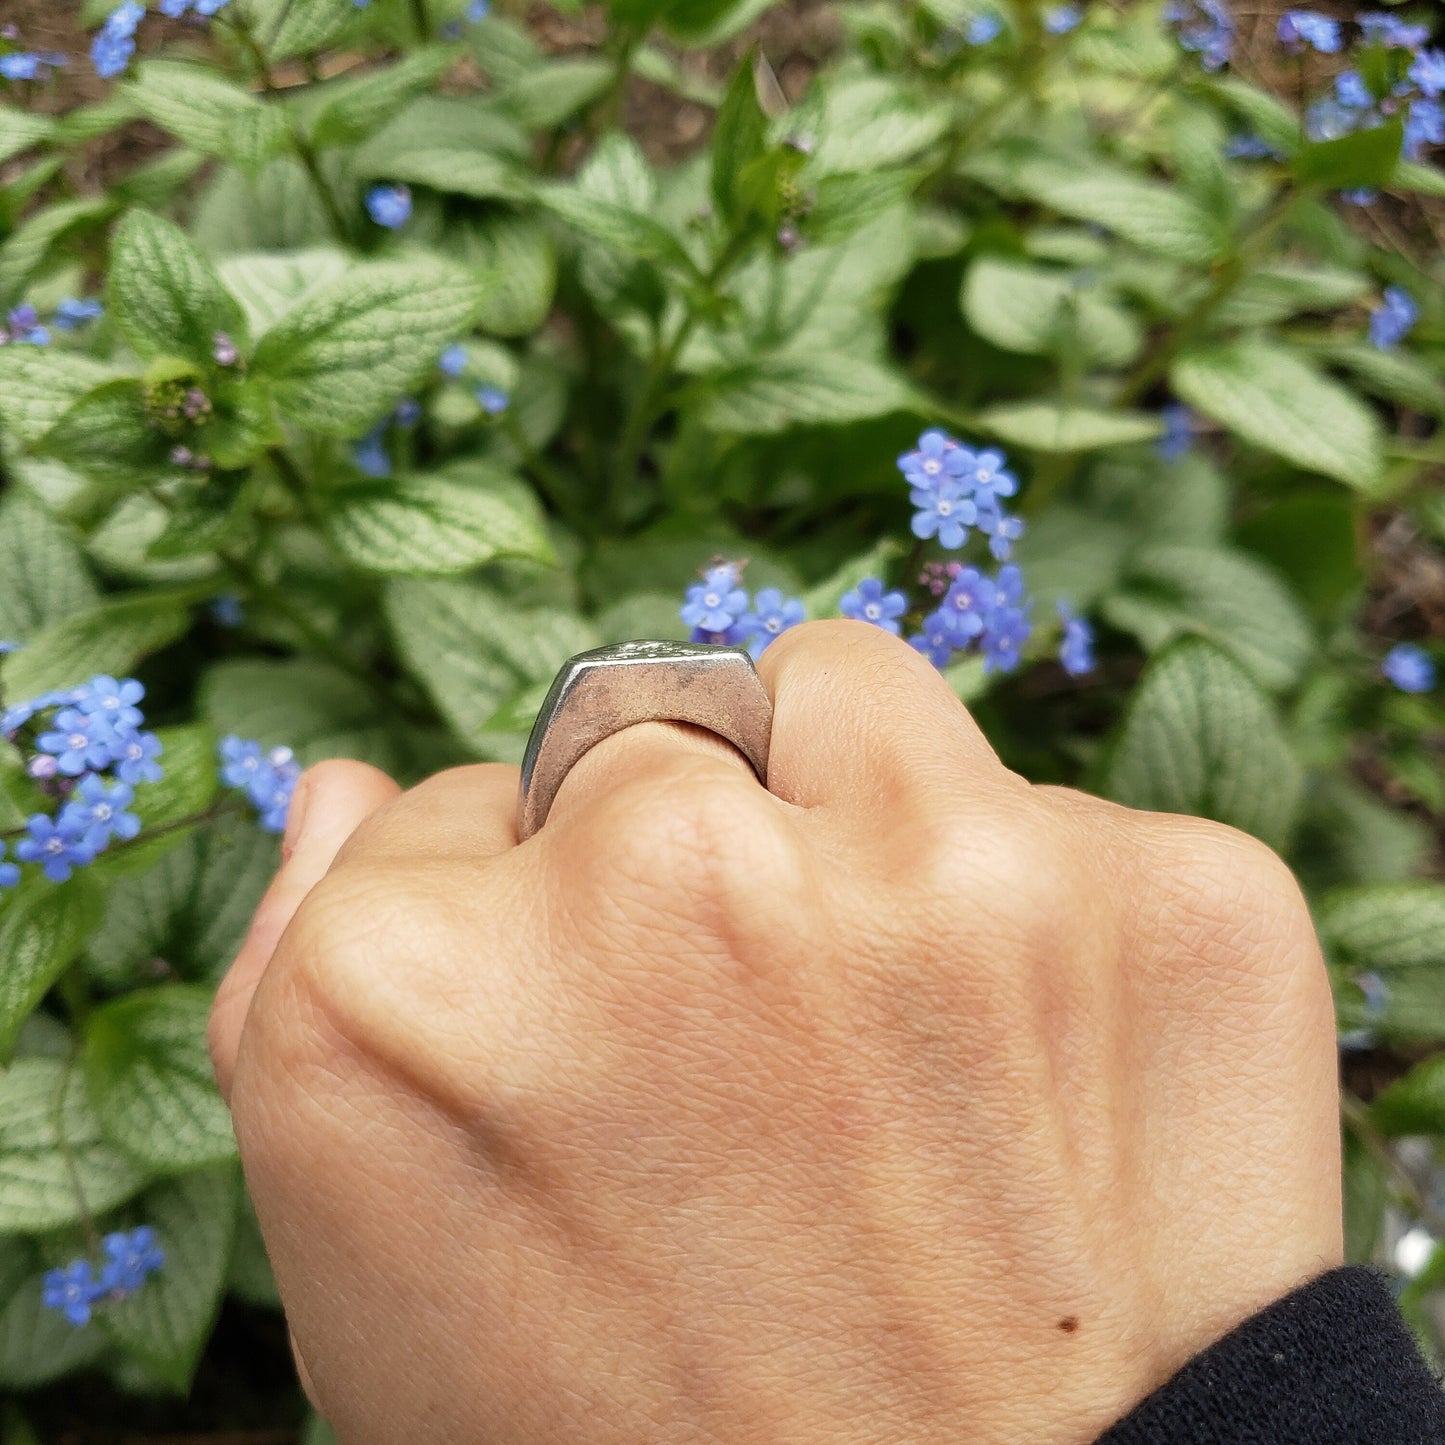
1310, 539
312, 707
439, 522
305, 26
1262, 113
1226, 596
1364, 158
1417, 179
107, 435
545, 97
109, 638
42, 930
277, 208
1271, 398
634, 233
473, 648
192, 909
22, 129
1151, 216
843, 204
776, 392
165, 1323
208, 113
354, 108
1047, 426
154, 185
250, 1276
1071, 554
38, 1345
30, 244
1366, 1195
739, 137
821, 599
165, 294
43, 576
151, 1082
349, 349
456, 146
269, 284
1416, 1104
42, 1103
873, 123
39, 384
189, 781
1274, 292
1037, 311
517, 263
1395, 375
1385, 926
1199, 736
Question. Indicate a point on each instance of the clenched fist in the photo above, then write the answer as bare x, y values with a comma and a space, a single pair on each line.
906, 1102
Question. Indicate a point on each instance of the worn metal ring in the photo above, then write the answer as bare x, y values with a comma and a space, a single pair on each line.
601, 692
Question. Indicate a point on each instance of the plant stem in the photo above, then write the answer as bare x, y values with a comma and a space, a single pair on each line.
1157, 362
651, 397
421, 20
309, 159
561, 490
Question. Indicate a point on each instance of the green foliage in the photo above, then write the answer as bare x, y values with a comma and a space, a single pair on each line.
255, 485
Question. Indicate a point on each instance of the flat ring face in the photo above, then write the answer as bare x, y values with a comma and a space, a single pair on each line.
601, 692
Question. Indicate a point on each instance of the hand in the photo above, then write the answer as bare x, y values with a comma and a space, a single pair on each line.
913, 1103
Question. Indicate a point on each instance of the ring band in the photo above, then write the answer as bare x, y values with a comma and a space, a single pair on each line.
601, 692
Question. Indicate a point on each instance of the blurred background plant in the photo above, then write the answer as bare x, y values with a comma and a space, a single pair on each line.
363, 359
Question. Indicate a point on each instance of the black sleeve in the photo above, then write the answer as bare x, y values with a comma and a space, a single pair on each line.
1331, 1364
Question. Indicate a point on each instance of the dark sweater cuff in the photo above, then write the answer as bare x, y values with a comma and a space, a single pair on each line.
1330, 1364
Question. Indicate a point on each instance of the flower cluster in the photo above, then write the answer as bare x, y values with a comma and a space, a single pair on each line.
492, 399
29, 64
1393, 319
114, 43
268, 778
23, 326
1178, 435
1402, 79
1205, 28
131, 1257
990, 614
719, 610
87, 749
955, 488
1409, 667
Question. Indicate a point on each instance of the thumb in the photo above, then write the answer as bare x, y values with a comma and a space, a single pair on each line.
330, 802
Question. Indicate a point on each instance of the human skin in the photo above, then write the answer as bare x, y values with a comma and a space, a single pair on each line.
904, 1102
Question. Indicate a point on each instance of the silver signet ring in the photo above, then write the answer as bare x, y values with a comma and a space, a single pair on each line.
601, 692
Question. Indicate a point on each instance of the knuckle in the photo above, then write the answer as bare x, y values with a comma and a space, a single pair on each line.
1234, 905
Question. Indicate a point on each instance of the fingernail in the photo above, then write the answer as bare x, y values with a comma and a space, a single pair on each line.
296, 818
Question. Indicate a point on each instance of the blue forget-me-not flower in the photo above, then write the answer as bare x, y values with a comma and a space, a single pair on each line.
1409, 667
770, 615
717, 603
1392, 320
1205, 28
1298, 28
869, 602
1381, 28
1076, 650
131, 1257
73, 1290
268, 778
389, 206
